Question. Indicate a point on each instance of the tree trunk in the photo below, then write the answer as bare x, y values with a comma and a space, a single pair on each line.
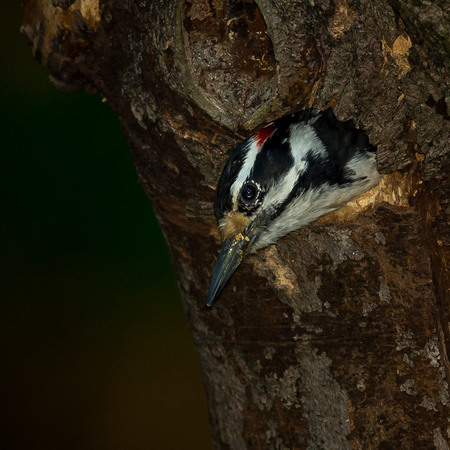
337, 336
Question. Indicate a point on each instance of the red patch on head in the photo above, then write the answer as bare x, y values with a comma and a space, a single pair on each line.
263, 134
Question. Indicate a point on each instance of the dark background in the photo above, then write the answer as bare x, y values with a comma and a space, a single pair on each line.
94, 347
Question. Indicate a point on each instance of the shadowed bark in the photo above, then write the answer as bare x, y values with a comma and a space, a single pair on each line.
337, 336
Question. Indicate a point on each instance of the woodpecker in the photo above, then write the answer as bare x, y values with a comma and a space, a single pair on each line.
285, 176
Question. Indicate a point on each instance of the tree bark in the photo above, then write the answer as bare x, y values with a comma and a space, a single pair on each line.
337, 336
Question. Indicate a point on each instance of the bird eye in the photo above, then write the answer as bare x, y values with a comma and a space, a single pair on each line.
248, 192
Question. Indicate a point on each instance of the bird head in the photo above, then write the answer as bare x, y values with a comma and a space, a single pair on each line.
283, 177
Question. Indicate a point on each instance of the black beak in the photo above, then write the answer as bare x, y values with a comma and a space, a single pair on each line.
231, 254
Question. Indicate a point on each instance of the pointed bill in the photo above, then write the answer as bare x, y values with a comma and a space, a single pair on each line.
231, 254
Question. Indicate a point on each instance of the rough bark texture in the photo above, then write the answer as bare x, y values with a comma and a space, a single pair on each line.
336, 337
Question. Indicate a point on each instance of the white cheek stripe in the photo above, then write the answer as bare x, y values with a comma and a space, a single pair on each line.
247, 167
303, 139
315, 203
279, 192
